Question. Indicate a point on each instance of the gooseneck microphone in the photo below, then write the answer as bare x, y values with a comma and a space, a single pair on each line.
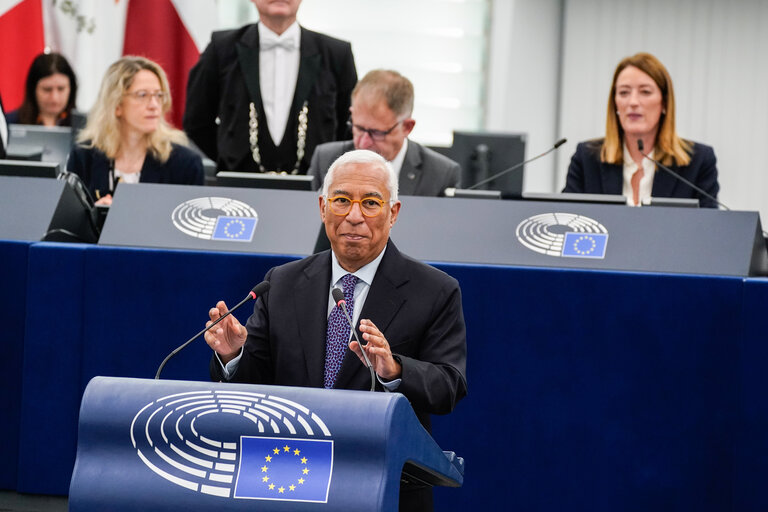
256, 291
517, 166
338, 296
677, 176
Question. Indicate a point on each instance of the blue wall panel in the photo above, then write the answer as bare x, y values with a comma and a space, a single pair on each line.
596, 391
52, 353
13, 298
587, 390
752, 447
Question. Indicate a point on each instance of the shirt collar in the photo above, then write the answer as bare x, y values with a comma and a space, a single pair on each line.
292, 33
397, 162
647, 162
365, 273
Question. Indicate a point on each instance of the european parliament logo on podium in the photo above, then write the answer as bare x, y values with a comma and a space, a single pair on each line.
245, 459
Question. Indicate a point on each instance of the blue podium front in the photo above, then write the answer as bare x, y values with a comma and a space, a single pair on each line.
176, 445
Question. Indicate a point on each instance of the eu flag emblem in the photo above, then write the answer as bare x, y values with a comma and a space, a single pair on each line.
234, 229
585, 245
285, 469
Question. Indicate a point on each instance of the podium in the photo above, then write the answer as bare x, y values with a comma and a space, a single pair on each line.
178, 445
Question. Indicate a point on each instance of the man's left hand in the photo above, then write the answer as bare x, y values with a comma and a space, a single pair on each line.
378, 351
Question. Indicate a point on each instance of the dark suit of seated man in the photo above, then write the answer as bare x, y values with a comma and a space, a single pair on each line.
382, 104
410, 314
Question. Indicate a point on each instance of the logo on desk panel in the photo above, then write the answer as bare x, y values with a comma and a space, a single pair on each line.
563, 235
216, 218
262, 446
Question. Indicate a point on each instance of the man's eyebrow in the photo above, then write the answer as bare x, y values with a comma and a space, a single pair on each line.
341, 192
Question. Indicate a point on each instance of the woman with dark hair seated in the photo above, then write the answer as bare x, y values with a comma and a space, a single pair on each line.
49, 93
641, 107
127, 138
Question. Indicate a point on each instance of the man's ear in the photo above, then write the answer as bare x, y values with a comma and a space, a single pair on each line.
408, 125
394, 210
322, 205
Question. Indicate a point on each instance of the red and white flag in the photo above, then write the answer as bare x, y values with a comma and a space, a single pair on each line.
89, 33
21, 39
92, 34
172, 33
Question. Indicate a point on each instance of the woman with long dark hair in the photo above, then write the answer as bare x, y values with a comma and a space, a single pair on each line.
49, 94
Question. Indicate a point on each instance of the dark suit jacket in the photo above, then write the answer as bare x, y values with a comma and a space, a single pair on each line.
226, 79
417, 307
424, 172
184, 167
588, 175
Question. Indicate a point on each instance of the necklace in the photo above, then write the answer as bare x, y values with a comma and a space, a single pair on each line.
253, 137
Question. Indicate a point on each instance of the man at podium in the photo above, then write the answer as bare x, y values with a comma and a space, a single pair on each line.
408, 314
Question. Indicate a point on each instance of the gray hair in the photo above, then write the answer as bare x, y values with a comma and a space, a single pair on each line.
363, 156
390, 86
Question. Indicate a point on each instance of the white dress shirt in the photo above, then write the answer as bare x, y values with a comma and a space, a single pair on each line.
278, 71
397, 162
646, 183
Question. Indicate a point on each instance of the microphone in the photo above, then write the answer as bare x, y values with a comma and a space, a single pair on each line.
677, 176
338, 296
256, 291
557, 144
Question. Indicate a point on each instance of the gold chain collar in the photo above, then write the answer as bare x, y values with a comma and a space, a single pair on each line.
253, 137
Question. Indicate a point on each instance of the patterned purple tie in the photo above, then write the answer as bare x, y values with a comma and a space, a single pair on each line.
337, 336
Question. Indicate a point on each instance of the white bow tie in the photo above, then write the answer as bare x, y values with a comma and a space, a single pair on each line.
269, 42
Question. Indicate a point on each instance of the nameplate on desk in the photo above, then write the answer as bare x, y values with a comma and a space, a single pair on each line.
212, 219
581, 235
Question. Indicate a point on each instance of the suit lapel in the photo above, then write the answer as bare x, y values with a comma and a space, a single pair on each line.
410, 172
309, 67
150, 170
382, 304
310, 299
663, 183
612, 176
248, 58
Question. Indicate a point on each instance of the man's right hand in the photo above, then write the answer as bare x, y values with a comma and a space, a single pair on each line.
228, 337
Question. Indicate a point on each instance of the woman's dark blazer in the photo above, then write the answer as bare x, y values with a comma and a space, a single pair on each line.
184, 167
588, 175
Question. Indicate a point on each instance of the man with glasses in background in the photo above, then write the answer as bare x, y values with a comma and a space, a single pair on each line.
382, 104
408, 314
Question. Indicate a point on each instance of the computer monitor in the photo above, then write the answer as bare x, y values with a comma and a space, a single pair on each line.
266, 180
29, 169
55, 141
483, 154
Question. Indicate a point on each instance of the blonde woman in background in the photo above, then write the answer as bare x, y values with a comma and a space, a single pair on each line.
641, 106
127, 138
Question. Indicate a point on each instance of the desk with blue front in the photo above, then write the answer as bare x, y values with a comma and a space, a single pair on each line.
589, 389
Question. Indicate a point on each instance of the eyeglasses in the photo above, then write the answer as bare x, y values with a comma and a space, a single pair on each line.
342, 205
377, 135
146, 96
